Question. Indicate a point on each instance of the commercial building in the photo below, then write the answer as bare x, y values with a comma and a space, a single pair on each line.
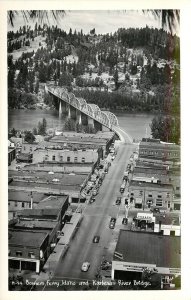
148, 194
136, 252
11, 155
167, 225
56, 183
155, 151
35, 233
19, 200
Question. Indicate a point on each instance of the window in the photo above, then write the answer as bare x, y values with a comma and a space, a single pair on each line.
83, 159
177, 188
31, 255
68, 159
159, 196
9, 203
53, 157
75, 159
61, 158
23, 204
167, 195
158, 202
15, 203
19, 253
132, 194
150, 195
46, 157
168, 204
140, 193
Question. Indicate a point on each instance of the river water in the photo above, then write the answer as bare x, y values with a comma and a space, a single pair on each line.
136, 125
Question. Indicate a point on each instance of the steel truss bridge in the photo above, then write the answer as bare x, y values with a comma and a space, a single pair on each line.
105, 118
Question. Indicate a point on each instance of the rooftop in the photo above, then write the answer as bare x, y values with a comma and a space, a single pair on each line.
58, 180
161, 146
149, 248
98, 138
146, 164
35, 224
150, 170
168, 219
152, 185
25, 196
26, 238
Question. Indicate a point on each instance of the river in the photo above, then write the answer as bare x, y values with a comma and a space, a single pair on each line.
136, 125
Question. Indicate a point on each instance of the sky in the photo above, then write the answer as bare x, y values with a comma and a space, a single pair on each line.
102, 21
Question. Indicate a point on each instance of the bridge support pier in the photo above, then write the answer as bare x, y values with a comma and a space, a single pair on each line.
91, 122
69, 112
78, 117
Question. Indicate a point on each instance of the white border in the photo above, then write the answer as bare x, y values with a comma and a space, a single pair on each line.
185, 37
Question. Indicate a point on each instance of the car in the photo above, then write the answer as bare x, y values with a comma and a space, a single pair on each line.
94, 192
96, 239
113, 220
112, 225
124, 221
85, 266
118, 202
92, 199
155, 210
143, 226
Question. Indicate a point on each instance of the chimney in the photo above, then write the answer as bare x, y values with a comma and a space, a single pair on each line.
31, 200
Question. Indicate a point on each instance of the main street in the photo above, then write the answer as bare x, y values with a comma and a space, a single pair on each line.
96, 222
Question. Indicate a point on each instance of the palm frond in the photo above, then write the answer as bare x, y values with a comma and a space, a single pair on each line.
42, 16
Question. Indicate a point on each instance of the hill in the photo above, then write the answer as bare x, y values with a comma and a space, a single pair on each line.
131, 69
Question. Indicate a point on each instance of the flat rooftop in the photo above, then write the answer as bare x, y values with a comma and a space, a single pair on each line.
152, 185
147, 164
45, 180
25, 196
35, 224
167, 220
159, 146
27, 238
148, 248
48, 166
82, 138
150, 171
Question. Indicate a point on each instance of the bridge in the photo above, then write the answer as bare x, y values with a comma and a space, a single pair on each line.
68, 103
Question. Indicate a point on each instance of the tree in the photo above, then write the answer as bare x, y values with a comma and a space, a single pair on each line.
166, 128
34, 131
116, 78
29, 137
42, 127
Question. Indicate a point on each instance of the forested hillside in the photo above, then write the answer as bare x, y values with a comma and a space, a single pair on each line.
131, 69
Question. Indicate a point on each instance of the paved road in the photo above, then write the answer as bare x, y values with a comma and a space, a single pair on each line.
96, 222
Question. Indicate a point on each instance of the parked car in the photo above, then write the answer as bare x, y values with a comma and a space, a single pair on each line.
94, 192
155, 210
125, 221
96, 239
118, 201
112, 223
92, 199
85, 266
